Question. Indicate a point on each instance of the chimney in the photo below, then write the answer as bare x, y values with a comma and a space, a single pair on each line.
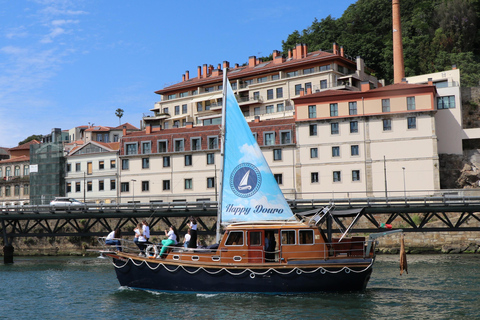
454, 67
398, 65
226, 64
187, 75
124, 130
365, 86
309, 90
199, 71
205, 70
189, 125
183, 78
341, 51
210, 69
275, 54
236, 65
335, 48
299, 50
148, 129
430, 81
404, 80
252, 61
289, 53
257, 119
302, 92
278, 59
305, 50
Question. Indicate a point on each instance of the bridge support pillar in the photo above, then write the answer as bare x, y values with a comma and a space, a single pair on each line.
8, 254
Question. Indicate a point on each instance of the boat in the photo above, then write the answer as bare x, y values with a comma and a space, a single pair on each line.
265, 247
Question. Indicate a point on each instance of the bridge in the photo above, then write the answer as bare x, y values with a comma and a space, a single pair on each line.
412, 214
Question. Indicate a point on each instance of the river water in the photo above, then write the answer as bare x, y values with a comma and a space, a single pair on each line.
437, 287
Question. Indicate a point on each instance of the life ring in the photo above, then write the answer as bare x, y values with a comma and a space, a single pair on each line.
151, 250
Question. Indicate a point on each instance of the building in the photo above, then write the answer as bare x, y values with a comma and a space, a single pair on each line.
91, 172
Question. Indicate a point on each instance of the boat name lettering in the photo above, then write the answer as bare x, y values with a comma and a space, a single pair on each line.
238, 209
261, 209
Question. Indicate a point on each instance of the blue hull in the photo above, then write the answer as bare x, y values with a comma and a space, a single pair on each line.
159, 277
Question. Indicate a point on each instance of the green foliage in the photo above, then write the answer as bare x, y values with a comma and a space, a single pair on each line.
37, 137
436, 34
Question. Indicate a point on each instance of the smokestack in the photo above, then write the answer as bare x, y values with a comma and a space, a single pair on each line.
199, 72
398, 65
187, 75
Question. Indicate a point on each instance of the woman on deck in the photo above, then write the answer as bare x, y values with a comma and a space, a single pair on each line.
170, 241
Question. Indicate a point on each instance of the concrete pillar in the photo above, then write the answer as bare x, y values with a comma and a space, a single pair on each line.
8, 254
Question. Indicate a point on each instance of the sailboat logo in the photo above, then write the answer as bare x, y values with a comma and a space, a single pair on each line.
245, 180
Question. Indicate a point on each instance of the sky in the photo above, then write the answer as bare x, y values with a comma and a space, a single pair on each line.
67, 63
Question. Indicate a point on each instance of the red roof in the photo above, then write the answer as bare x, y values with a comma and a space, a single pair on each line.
17, 159
127, 125
25, 146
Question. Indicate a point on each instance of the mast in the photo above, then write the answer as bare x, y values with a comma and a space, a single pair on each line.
222, 148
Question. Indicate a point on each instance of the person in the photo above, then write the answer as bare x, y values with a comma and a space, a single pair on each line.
140, 239
113, 239
193, 233
186, 239
170, 241
146, 230
270, 245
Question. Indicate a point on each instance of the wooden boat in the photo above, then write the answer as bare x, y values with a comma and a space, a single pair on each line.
265, 248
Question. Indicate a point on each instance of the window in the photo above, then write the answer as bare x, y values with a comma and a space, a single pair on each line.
113, 164
184, 108
387, 124
312, 112
337, 176
171, 96
354, 150
77, 186
235, 238
353, 126
277, 154
145, 163
279, 92
7, 191
113, 184
162, 146
145, 185
17, 171
269, 109
298, 88
26, 170
336, 151
177, 110
323, 84
261, 80
101, 165
412, 122
166, 184
269, 138
352, 108
355, 175
188, 183
68, 188
183, 94
255, 238
446, 102
115, 138
199, 106
89, 186
308, 71
26, 190
275, 76
292, 74
188, 160
313, 130
256, 95
125, 164
279, 178
16, 190
179, 145
385, 105
166, 162
285, 137
313, 152
410, 103
8, 171
269, 94
325, 68
305, 236
256, 111
210, 158
101, 185
334, 128
125, 187
212, 143
196, 144
77, 168
89, 168
246, 113
288, 237
130, 148
314, 177
333, 109
211, 182
176, 124
146, 147
207, 105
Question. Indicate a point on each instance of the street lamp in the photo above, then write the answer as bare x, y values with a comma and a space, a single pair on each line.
133, 190
404, 185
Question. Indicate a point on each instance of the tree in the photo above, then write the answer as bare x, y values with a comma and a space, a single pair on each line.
119, 114
37, 137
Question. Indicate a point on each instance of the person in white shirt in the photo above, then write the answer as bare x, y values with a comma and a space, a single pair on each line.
146, 229
186, 239
113, 239
193, 233
140, 239
170, 241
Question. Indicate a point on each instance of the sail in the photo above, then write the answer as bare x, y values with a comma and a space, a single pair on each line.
250, 191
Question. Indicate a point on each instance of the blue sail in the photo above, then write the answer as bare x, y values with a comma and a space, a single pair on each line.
250, 191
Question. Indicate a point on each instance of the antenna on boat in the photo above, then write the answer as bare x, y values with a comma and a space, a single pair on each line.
222, 149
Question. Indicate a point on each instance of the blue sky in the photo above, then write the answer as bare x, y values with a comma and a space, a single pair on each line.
65, 63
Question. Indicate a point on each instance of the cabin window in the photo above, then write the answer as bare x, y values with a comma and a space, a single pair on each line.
255, 238
235, 238
288, 237
305, 236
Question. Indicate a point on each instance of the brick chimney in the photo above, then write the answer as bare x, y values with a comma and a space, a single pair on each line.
252, 61
430, 81
183, 77
124, 130
309, 90
148, 129
290, 54
199, 71
205, 70
236, 65
226, 64
257, 119
189, 125
342, 53
305, 50
299, 50
365, 86
335, 48
398, 65
278, 59
187, 75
